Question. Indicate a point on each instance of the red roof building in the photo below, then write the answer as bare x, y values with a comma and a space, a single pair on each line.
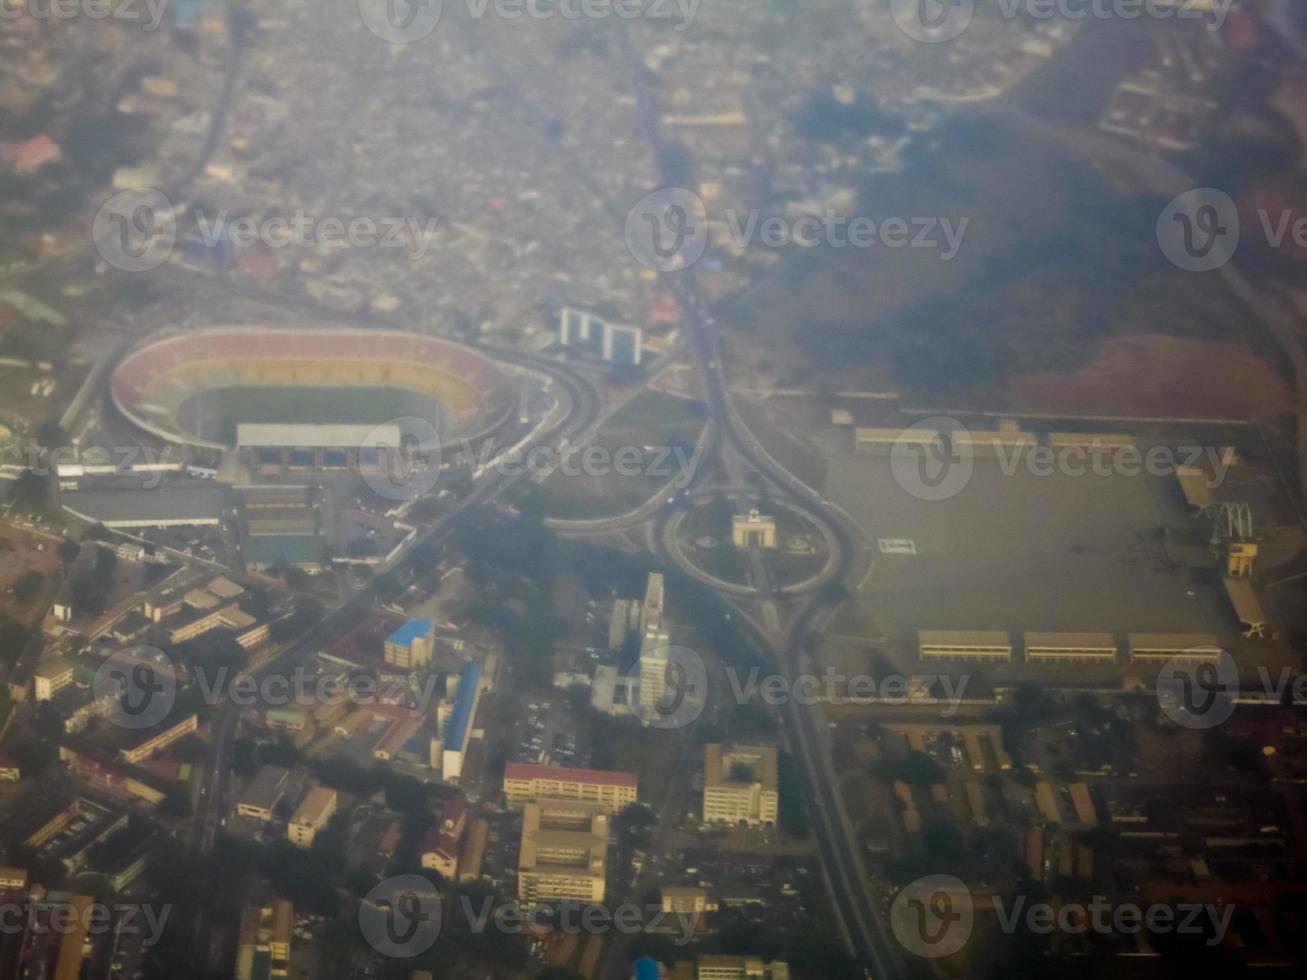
525, 782
31, 155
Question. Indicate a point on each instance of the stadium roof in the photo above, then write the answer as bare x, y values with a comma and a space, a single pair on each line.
257, 434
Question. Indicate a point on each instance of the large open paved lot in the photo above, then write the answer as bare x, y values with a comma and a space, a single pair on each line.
1025, 552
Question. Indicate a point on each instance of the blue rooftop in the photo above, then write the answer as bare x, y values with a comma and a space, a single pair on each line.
456, 729
410, 631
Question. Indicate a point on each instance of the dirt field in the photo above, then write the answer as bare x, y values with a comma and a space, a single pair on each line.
1156, 376
18, 556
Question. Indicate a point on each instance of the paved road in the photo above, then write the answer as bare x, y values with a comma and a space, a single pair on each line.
851, 900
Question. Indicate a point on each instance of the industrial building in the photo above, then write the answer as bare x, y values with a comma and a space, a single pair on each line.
1070, 648
1158, 648
964, 645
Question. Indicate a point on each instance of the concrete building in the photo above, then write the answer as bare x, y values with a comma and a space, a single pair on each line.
64, 603
146, 742
651, 609
687, 900
53, 674
410, 646
564, 852
440, 846
524, 782
740, 785
612, 342
456, 729
722, 967
312, 815
753, 530
263, 794
264, 941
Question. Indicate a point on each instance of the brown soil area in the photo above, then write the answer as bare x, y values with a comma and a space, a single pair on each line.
1160, 376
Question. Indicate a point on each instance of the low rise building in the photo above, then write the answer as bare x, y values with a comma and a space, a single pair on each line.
263, 793
741, 785
410, 646
723, 967
263, 945
53, 673
312, 815
524, 782
564, 852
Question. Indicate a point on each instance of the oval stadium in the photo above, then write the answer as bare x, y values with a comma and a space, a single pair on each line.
306, 389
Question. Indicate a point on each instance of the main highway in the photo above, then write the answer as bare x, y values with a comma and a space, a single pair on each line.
804, 727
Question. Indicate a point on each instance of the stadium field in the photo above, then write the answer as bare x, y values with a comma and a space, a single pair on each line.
218, 412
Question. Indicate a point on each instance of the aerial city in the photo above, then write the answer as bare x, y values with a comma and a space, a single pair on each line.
653, 489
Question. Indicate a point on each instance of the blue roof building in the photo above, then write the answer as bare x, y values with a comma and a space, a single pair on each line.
411, 645
410, 631
465, 701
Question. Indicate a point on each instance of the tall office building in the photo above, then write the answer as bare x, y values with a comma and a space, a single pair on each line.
612, 342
